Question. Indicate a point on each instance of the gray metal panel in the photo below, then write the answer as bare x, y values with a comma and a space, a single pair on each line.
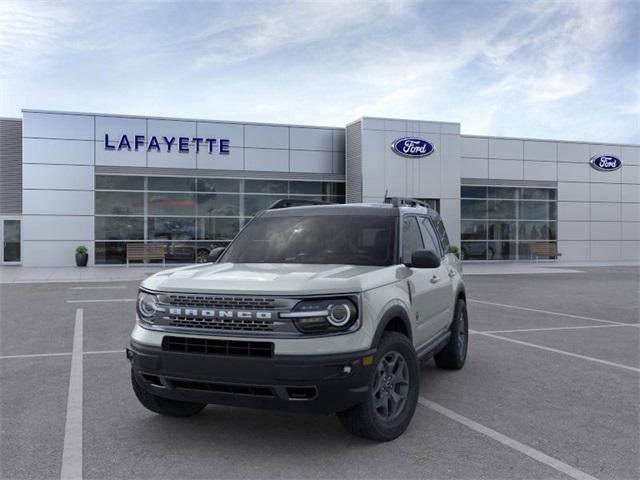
353, 161
10, 166
185, 172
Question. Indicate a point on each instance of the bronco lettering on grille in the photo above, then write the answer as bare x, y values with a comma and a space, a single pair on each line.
209, 313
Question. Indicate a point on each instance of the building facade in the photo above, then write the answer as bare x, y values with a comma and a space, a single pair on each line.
107, 181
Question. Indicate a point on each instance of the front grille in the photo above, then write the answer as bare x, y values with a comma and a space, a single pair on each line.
225, 324
218, 347
220, 301
253, 390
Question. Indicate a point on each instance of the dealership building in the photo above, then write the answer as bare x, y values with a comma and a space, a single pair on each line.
109, 182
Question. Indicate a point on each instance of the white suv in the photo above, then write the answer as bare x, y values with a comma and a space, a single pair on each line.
322, 308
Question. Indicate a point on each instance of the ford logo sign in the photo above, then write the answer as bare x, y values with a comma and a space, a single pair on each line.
412, 147
605, 163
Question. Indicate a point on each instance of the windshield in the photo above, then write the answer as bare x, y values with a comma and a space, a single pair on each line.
323, 239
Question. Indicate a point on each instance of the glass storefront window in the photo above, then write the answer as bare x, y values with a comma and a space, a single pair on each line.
119, 228
119, 182
473, 192
537, 210
474, 209
502, 230
473, 230
515, 216
171, 184
171, 228
474, 250
188, 216
218, 228
266, 186
256, 203
216, 185
119, 203
160, 203
501, 209
501, 192
223, 205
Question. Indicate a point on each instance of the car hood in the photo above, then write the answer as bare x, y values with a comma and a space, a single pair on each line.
271, 278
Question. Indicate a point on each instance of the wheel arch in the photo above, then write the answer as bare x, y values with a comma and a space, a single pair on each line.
396, 319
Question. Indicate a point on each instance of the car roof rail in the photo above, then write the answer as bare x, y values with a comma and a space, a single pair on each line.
294, 202
406, 202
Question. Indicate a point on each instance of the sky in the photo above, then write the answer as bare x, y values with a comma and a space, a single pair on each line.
537, 69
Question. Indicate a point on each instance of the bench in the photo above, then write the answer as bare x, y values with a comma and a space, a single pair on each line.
144, 252
544, 250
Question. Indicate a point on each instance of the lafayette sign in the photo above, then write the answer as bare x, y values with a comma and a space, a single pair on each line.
158, 144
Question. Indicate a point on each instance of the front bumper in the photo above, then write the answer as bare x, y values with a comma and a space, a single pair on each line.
311, 383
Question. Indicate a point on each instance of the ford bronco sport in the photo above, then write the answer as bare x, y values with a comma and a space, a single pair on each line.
321, 308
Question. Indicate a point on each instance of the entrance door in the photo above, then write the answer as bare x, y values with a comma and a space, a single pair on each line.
11, 241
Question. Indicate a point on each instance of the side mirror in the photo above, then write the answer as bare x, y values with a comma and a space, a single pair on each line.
215, 254
424, 259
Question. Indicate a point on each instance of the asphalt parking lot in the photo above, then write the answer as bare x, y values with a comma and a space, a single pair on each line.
550, 390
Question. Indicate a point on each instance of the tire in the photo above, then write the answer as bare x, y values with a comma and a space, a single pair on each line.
367, 419
164, 406
454, 354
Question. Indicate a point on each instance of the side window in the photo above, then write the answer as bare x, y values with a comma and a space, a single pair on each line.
411, 238
442, 233
430, 239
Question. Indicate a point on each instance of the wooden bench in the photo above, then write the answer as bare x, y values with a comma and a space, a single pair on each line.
544, 250
144, 252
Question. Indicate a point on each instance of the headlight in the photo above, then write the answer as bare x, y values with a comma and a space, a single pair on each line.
328, 315
146, 306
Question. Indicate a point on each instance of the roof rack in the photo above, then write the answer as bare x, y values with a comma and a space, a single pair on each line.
406, 202
293, 202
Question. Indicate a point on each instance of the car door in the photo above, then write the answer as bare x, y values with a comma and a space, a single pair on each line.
424, 290
443, 285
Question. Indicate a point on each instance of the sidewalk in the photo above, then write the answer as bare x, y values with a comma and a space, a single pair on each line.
10, 274
528, 268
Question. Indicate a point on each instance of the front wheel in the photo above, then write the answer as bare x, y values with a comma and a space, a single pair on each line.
392, 394
454, 354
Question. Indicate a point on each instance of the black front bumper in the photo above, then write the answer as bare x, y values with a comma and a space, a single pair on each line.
310, 383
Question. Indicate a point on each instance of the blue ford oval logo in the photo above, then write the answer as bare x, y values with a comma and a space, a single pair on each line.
605, 163
412, 147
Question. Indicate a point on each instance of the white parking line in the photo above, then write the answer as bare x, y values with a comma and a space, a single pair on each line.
60, 354
102, 352
559, 314
105, 300
548, 329
35, 355
508, 442
72, 447
555, 350
101, 287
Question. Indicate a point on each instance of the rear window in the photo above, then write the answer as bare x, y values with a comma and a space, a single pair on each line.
317, 239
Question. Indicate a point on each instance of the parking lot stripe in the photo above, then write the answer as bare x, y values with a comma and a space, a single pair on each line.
35, 355
101, 287
560, 314
106, 300
581, 327
508, 441
72, 449
555, 350
101, 352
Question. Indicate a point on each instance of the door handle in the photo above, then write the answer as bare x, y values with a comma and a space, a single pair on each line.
435, 279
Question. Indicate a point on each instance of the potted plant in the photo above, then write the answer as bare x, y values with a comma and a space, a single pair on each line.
82, 256
455, 250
